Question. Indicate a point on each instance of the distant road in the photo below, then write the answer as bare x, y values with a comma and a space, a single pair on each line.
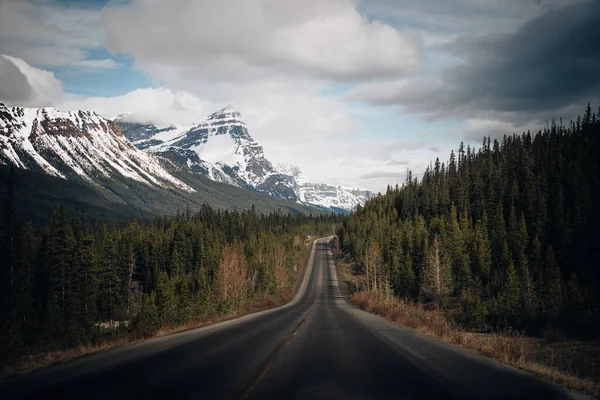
316, 347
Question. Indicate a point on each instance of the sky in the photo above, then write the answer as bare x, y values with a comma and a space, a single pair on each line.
354, 92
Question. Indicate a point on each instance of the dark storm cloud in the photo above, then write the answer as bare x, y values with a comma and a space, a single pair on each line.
548, 64
14, 86
551, 62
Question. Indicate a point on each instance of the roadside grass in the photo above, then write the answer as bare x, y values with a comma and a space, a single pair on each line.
37, 360
571, 363
31, 361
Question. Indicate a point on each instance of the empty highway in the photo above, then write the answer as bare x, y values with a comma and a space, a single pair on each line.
315, 347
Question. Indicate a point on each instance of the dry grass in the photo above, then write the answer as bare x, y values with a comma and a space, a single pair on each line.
568, 363
37, 360
572, 364
350, 281
170, 330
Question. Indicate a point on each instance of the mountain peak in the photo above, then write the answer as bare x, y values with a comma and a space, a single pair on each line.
221, 148
288, 169
227, 112
76, 144
123, 117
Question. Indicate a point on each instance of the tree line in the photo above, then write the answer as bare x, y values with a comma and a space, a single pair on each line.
504, 236
71, 282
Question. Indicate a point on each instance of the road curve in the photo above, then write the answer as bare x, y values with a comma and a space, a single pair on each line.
317, 346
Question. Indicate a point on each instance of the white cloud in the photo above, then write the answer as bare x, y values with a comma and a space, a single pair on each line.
47, 33
416, 91
259, 38
293, 121
161, 106
476, 129
25, 85
273, 60
370, 163
458, 16
384, 174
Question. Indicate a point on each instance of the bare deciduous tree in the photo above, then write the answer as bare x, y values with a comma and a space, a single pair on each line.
231, 275
279, 270
372, 262
437, 274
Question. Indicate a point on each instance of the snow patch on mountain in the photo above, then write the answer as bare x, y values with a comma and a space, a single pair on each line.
80, 142
221, 148
322, 194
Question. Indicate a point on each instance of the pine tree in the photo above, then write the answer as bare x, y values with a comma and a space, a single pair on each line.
552, 288
482, 259
501, 257
511, 294
165, 299
62, 278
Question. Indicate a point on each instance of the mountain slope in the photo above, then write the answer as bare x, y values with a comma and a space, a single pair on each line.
322, 195
222, 149
81, 144
82, 159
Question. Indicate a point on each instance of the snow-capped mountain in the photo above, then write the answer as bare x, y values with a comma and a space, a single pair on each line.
324, 195
221, 148
77, 144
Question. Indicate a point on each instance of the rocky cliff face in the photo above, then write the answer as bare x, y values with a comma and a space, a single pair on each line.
76, 144
222, 149
323, 195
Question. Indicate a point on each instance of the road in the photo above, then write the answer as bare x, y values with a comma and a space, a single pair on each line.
317, 346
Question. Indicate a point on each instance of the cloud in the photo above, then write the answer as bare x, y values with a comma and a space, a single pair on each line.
24, 85
390, 150
15, 88
100, 64
457, 16
476, 129
283, 64
49, 33
294, 122
383, 174
415, 94
161, 106
260, 38
398, 162
547, 67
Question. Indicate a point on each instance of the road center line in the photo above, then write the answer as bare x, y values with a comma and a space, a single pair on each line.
246, 390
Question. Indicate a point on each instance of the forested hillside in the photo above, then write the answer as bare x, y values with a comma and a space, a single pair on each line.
36, 195
73, 283
505, 235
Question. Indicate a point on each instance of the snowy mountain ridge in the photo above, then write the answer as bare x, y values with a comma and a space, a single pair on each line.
323, 194
221, 148
77, 143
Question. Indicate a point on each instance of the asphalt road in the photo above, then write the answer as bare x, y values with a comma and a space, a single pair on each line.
317, 346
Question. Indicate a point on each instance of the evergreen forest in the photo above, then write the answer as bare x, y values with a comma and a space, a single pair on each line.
503, 238
73, 283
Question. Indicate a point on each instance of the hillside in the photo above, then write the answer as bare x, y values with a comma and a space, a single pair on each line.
82, 159
505, 236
